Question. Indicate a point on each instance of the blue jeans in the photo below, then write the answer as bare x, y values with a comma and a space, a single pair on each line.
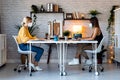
39, 51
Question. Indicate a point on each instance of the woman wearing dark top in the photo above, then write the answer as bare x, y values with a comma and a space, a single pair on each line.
96, 35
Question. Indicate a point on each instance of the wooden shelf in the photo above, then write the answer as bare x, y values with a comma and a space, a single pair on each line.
78, 19
47, 12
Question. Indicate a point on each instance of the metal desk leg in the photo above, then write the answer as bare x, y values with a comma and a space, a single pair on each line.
61, 49
96, 69
30, 60
58, 52
60, 57
64, 58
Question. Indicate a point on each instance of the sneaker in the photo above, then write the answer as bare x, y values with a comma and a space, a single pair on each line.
38, 68
75, 61
88, 62
32, 65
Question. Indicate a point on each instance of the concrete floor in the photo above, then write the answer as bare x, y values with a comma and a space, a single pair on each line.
51, 72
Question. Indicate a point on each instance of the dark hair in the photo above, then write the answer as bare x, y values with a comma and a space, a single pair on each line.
94, 22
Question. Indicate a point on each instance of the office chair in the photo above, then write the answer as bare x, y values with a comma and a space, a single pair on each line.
20, 66
100, 50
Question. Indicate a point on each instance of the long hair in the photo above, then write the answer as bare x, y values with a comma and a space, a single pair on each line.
94, 22
25, 19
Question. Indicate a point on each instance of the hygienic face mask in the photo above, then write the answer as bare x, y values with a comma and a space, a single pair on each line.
29, 24
90, 25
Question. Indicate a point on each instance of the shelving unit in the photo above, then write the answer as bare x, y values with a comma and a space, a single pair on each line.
58, 13
62, 16
46, 12
3, 55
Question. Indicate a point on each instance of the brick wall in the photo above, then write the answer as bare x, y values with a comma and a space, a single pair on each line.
12, 12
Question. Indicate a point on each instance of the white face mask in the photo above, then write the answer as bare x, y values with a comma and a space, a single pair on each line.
29, 24
90, 25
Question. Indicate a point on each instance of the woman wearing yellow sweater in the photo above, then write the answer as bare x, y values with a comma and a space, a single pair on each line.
24, 36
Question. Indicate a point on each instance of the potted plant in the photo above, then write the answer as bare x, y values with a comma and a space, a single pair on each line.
93, 13
34, 9
66, 33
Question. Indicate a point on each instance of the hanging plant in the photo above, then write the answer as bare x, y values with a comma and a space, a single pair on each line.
111, 18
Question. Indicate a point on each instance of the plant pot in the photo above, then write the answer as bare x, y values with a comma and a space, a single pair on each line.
66, 38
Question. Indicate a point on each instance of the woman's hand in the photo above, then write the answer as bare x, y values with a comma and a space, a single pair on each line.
36, 39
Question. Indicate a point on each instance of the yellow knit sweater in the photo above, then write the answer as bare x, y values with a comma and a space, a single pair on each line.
24, 35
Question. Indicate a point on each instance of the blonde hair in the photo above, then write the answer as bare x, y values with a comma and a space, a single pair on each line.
26, 19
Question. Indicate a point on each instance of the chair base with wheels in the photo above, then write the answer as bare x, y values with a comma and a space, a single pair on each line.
99, 61
90, 67
23, 65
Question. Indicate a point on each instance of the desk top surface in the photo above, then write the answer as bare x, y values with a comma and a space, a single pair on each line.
62, 41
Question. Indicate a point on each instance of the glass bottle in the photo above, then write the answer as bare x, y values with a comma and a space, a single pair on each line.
42, 9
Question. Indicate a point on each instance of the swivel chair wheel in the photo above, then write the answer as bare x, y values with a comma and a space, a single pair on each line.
15, 69
25, 68
90, 70
83, 69
19, 71
102, 69
30, 74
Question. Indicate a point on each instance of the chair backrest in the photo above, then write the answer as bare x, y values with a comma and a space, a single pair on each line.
19, 50
15, 38
99, 48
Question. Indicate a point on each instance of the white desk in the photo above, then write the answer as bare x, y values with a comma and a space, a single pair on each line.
62, 51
